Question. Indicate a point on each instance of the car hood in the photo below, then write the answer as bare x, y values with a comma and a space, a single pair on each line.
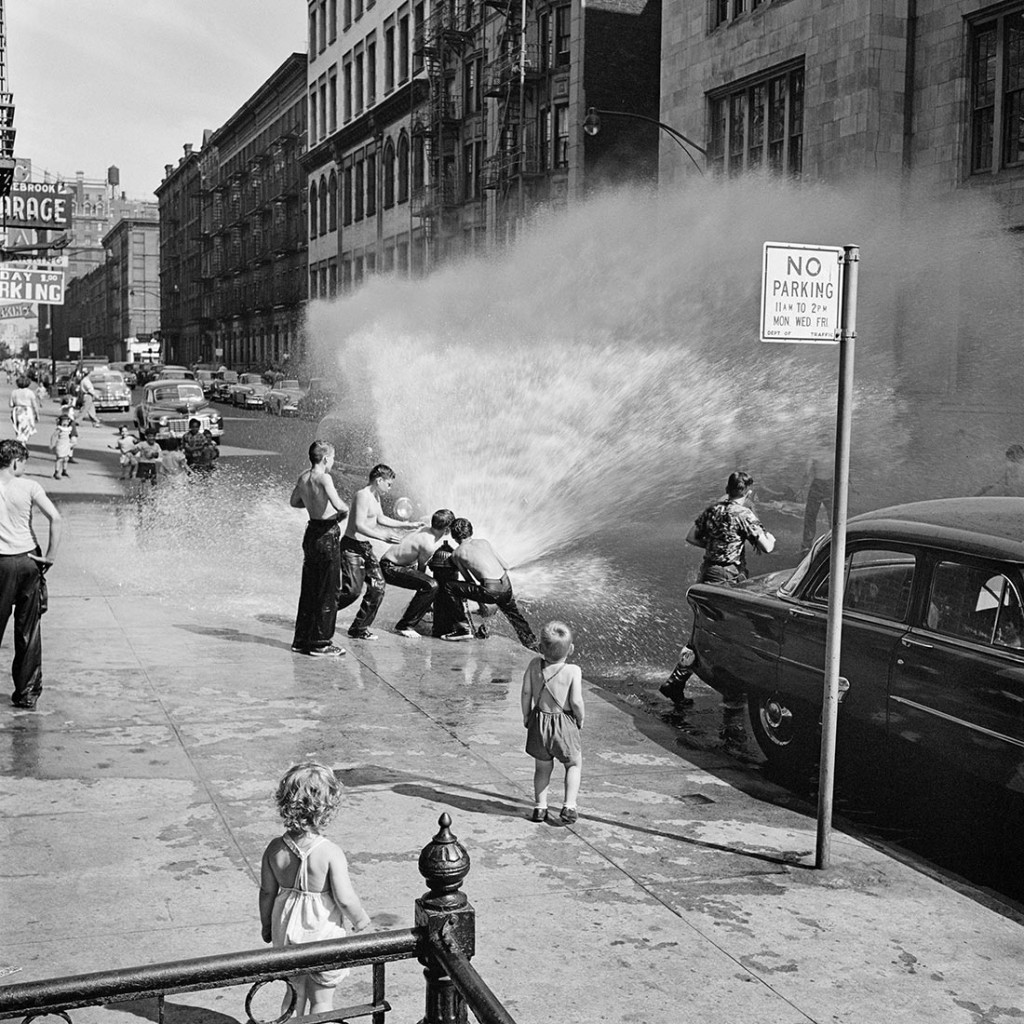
766, 584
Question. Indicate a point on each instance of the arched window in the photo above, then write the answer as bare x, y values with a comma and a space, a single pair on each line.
323, 205
389, 174
403, 168
332, 203
418, 162
312, 210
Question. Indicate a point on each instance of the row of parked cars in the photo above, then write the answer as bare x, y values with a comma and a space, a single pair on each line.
285, 397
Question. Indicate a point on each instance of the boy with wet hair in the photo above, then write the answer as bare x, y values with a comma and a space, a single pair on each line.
404, 565
359, 564
488, 583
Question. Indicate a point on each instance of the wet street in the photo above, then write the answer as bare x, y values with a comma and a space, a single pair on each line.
629, 633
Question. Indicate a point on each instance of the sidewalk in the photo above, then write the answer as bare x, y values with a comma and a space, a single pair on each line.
137, 801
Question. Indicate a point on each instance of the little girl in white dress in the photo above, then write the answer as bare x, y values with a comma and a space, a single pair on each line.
304, 884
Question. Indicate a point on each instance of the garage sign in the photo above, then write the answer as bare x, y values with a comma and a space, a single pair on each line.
42, 205
801, 293
32, 286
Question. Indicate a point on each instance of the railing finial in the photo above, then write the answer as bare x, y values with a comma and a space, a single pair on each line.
444, 863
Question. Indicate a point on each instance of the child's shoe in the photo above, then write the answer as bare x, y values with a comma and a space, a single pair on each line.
539, 814
568, 815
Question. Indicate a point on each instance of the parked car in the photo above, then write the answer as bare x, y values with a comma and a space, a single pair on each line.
318, 399
112, 391
206, 379
65, 373
220, 387
248, 391
283, 398
168, 405
173, 373
932, 648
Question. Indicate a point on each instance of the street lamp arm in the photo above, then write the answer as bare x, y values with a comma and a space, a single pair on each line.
677, 136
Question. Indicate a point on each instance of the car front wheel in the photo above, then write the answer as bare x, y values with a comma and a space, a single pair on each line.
786, 730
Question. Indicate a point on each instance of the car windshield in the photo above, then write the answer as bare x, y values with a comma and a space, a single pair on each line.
106, 378
230, 377
178, 393
289, 385
796, 577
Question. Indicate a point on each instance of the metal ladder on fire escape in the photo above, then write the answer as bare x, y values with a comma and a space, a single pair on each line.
6, 113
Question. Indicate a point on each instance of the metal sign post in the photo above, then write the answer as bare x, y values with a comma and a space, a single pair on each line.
837, 564
809, 296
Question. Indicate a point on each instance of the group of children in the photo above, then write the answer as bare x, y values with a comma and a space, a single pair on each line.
305, 889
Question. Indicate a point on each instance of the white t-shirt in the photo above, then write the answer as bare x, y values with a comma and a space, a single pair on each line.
16, 534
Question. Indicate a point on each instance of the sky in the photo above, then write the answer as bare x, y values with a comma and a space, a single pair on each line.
128, 82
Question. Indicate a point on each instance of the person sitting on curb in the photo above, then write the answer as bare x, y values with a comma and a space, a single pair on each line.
487, 573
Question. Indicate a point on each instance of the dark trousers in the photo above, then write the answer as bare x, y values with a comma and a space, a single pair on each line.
410, 578
498, 592
818, 494
448, 613
317, 616
358, 566
19, 591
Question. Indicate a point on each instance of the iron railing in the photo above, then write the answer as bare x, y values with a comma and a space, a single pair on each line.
442, 939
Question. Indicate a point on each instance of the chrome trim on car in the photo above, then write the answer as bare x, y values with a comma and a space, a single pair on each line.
958, 721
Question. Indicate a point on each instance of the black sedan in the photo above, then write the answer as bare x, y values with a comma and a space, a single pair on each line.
933, 628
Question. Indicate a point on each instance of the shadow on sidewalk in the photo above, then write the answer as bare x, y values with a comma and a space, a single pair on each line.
233, 634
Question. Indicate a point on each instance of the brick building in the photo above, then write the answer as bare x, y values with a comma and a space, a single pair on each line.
434, 130
233, 241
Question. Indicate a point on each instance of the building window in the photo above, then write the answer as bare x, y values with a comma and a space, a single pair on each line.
312, 210
371, 74
419, 160
762, 120
544, 40
403, 168
323, 26
417, 31
312, 33
323, 205
314, 278
389, 175
347, 89
561, 136
332, 20
323, 109
357, 76
724, 11
403, 48
346, 196
332, 278
332, 101
312, 117
332, 202
347, 14
389, 60
371, 184
562, 36
360, 193
358, 9
997, 93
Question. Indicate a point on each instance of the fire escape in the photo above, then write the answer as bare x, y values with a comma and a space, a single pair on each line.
436, 120
506, 79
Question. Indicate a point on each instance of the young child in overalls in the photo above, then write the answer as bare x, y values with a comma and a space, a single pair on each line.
552, 703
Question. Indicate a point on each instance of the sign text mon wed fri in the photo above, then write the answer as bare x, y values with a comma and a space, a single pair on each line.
801, 289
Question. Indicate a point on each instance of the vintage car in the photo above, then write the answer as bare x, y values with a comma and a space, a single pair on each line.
283, 398
168, 405
65, 374
248, 392
112, 391
318, 399
206, 379
173, 373
220, 388
933, 628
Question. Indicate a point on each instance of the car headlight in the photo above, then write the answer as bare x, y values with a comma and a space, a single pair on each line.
163, 421
214, 417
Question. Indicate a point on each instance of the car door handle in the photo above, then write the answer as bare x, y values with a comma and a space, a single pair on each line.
907, 642
799, 613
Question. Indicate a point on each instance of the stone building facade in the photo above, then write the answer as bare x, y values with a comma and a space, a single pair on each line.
233, 241
925, 95
436, 129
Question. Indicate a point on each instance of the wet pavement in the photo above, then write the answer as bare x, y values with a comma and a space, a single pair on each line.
137, 801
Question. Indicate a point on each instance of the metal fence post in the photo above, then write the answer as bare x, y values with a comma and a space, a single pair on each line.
444, 863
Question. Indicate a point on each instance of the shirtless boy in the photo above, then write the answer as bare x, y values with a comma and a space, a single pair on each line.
404, 565
321, 555
358, 562
488, 573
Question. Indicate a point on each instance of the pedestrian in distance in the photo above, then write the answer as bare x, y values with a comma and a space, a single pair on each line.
818, 485
317, 617
24, 410
67, 408
487, 583
404, 565
87, 399
359, 564
552, 704
305, 889
22, 566
61, 446
723, 530
125, 446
